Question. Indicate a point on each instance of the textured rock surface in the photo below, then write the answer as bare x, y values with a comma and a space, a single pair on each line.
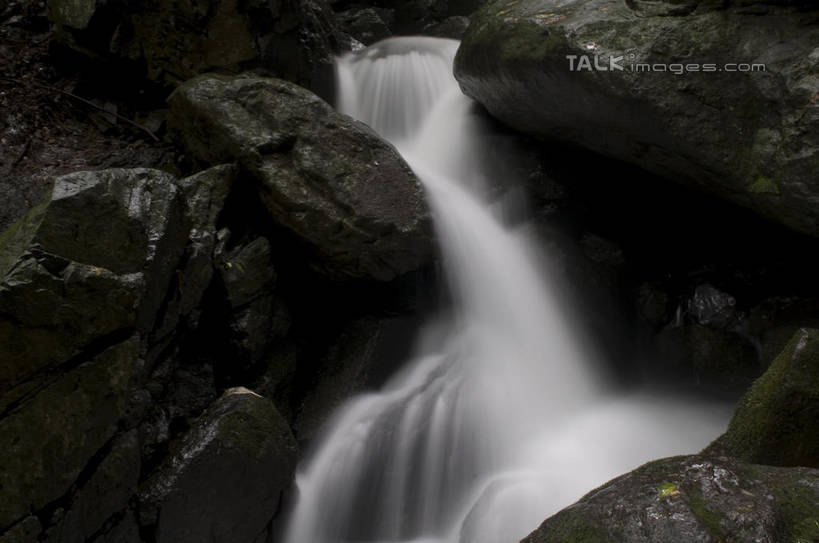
693, 499
748, 136
171, 41
327, 178
48, 439
94, 260
223, 482
775, 421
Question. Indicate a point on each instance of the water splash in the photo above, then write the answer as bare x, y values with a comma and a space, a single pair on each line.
501, 419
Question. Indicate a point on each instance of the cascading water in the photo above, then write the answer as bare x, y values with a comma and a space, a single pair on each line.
499, 421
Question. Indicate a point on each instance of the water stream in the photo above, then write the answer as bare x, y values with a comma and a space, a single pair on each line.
502, 417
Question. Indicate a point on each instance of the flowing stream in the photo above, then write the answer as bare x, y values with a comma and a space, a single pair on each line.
502, 417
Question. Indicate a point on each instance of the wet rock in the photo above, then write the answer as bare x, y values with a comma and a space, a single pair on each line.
654, 305
328, 179
693, 498
95, 260
247, 272
452, 27
365, 25
364, 353
750, 136
125, 531
25, 531
709, 355
223, 482
775, 421
710, 306
106, 492
50, 435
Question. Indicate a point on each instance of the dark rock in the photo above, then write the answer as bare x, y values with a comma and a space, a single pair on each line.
710, 306
204, 194
106, 492
748, 136
168, 42
94, 260
363, 354
365, 25
452, 27
25, 531
223, 482
775, 421
327, 178
247, 272
709, 355
693, 498
654, 305
125, 531
48, 439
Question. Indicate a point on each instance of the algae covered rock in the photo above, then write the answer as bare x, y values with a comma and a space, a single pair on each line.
722, 97
222, 484
327, 178
693, 498
776, 420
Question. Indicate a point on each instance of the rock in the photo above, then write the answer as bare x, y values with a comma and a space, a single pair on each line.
693, 498
168, 42
710, 355
48, 439
452, 27
365, 25
363, 355
204, 194
65, 281
106, 492
654, 305
125, 531
223, 482
25, 531
775, 421
328, 179
749, 136
710, 306
247, 272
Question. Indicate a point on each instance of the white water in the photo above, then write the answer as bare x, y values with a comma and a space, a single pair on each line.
500, 420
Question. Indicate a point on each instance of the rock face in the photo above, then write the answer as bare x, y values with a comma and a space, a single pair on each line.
693, 498
173, 41
48, 440
330, 180
207, 490
775, 422
64, 285
748, 135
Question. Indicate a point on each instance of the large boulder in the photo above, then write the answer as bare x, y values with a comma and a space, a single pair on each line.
223, 482
329, 179
693, 498
92, 262
775, 421
675, 91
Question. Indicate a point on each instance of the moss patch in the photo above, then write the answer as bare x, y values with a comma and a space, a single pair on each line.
763, 185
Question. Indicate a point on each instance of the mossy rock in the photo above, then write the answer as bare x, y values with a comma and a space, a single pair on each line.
692, 498
776, 420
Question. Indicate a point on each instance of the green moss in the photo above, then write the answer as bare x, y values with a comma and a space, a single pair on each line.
774, 422
706, 517
668, 490
15, 239
763, 185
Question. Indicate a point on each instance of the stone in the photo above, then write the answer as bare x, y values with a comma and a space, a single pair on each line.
223, 482
747, 134
330, 180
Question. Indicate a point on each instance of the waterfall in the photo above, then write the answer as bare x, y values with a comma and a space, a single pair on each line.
501, 418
